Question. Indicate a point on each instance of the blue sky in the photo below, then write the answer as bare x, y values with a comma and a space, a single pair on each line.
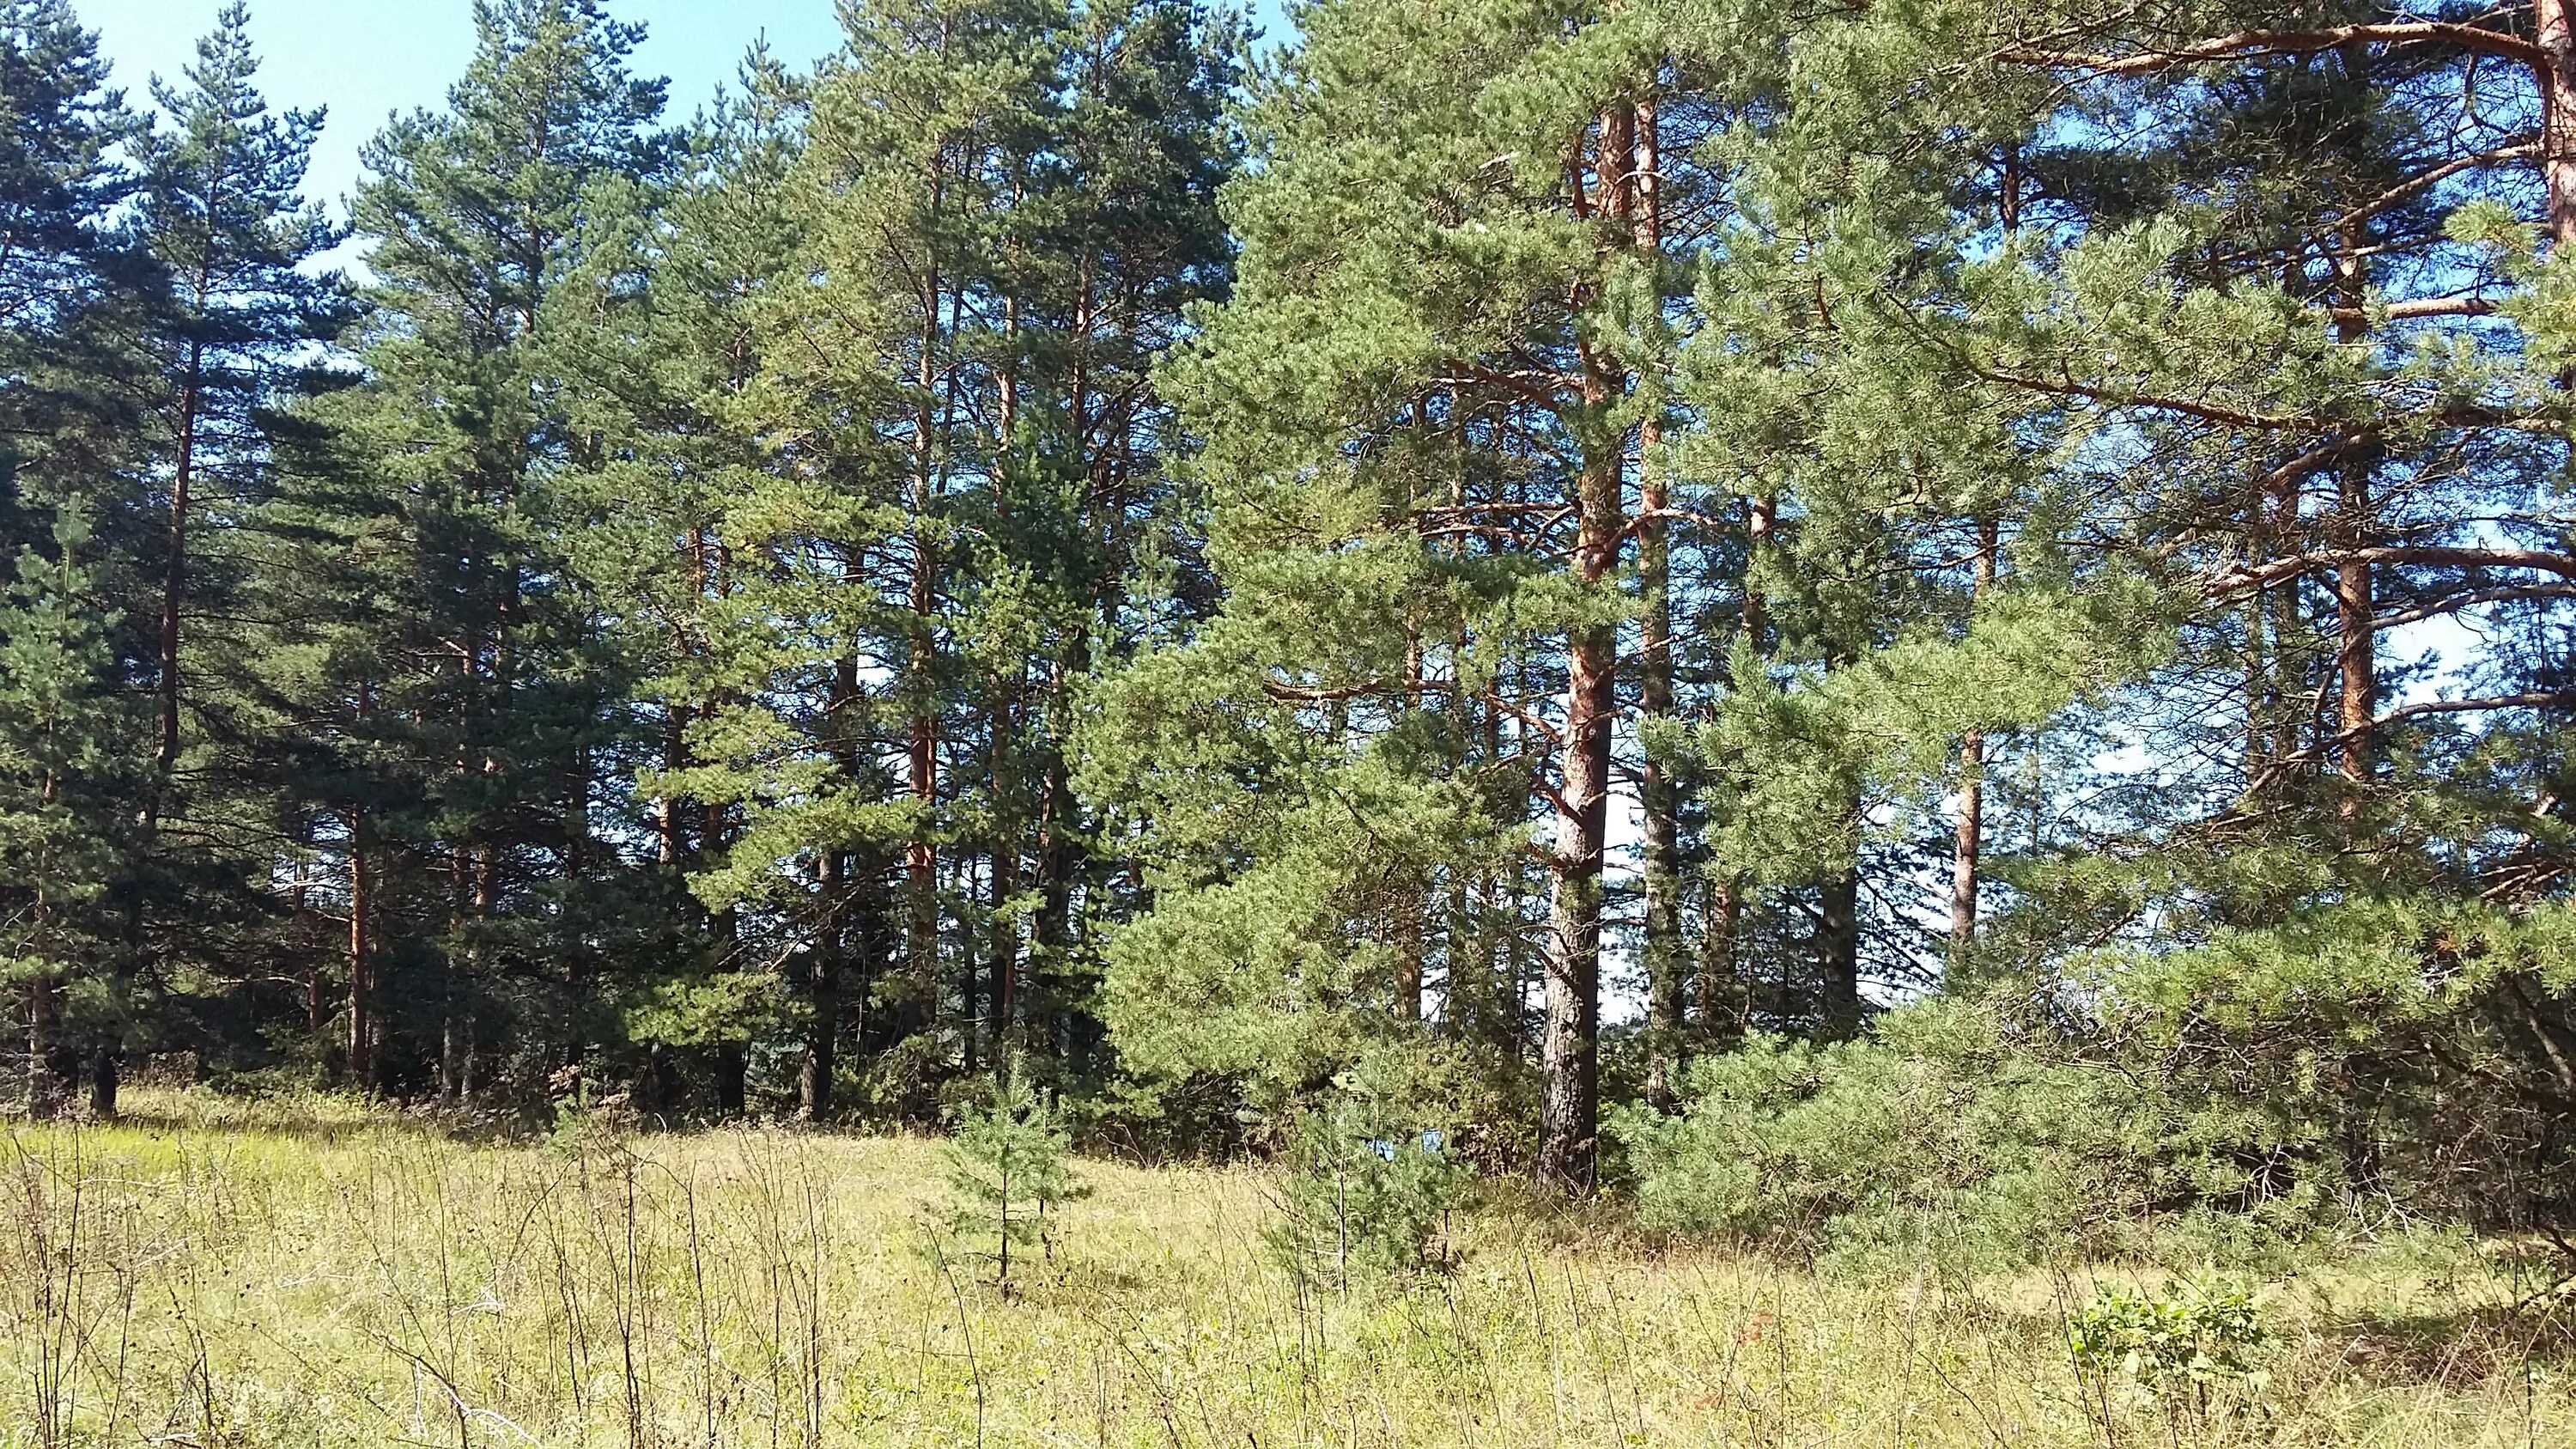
366, 59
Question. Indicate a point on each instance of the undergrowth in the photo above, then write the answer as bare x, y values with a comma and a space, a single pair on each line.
217, 1276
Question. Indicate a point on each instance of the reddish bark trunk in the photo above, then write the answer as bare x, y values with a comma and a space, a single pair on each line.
1966, 859
2555, 31
1570, 1042
2356, 628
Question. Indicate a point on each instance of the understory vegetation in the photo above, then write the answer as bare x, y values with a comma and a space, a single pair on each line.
317, 1274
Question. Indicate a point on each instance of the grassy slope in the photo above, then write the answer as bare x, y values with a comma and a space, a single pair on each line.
220, 1279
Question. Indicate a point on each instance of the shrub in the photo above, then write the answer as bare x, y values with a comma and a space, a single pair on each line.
1991, 1137
2179, 1349
1938, 1135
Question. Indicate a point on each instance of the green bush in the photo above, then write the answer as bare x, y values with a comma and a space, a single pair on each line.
2180, 1349
2201, 1336
1986, 1138
1940, 1134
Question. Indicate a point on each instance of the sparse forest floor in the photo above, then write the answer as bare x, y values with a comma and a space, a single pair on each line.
210, 1274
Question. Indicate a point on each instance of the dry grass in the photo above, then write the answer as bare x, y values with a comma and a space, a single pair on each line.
230, 1277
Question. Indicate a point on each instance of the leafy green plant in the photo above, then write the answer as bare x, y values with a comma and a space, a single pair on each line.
1362, 1197
2179, 1348
1009, 1169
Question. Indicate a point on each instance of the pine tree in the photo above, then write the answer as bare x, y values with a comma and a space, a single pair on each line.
73, 289
1002, 210
480, 684
1009, 1173
64, 764
74, 297
232, 339
1449, 325
909, 156
61, 270
218, 209
670, 371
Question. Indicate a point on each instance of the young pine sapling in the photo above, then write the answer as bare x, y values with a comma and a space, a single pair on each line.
1009, 1169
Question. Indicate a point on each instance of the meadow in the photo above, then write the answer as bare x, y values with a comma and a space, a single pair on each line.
216, 1274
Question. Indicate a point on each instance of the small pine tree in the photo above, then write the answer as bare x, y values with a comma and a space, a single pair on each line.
1009, 1168
1362, 1198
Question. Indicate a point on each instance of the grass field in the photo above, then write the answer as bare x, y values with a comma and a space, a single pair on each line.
210, 1275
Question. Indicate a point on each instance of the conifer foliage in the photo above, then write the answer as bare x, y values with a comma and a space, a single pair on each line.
1009, 1174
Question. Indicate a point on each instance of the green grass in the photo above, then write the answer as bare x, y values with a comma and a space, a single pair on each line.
220, 1275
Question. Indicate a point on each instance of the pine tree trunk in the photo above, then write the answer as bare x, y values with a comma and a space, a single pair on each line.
823, 991
578, 784
1660, 801
1051, 932
1838, 929
657, 1087
1659, 796
921, 900
1412, 941
2356, 624
1002, 949
1060, 856
668, 846
733, 1070
2261, 657
174, 579
728, 1068
103, 1081
44, 1030
1413, 912
2258, 736
1838, 943
2555, 31
1003, 952
1723, 1002
1725, 994
1967, 848
2285, 687
451, 1056
974, 881
827, 954
1966, 858
1460, 957
921, 755
1761, 515
1570, 1047
362, 985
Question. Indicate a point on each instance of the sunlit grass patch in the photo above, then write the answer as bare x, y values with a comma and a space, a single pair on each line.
221, 1275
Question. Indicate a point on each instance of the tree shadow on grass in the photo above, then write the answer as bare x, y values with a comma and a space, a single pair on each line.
317, 1120
2460, 1348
